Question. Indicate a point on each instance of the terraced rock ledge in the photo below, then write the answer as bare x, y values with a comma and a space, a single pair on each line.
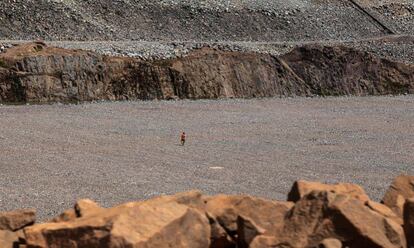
37, 73
314, 215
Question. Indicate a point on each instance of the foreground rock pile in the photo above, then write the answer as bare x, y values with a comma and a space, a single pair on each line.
315, 215
35, 72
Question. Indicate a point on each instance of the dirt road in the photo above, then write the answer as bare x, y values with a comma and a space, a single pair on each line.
52, 155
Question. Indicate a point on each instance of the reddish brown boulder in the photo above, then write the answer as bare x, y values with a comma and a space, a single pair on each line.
409, 221
321, 215
247, 230
267, 214
364, 227
302, 188
82, 208
193, 199
16, 220
384, 211
219, 237
8, 239
263, 241
86, 207
401, 189
320, 218
147, 224
330, 243
67, 215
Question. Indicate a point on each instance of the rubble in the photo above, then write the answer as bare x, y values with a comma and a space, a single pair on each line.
320, 218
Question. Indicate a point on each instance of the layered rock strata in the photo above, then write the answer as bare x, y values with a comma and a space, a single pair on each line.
37, 73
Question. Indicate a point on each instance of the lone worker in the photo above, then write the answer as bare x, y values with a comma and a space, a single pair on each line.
182, 138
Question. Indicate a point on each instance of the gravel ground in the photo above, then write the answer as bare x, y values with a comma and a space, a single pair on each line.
123, 151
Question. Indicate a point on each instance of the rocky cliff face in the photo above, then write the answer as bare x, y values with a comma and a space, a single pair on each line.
37, 73
218, 74
344, 71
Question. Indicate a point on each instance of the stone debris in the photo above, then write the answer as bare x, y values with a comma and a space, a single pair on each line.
320, 218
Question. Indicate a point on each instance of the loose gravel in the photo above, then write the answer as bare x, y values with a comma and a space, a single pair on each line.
399, 48
113, 152
207, 20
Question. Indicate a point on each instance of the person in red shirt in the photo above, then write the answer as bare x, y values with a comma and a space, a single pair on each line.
182, 138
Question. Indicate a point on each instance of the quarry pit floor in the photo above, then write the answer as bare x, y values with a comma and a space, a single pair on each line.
114, 152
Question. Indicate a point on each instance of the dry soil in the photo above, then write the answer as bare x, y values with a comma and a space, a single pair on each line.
52, 155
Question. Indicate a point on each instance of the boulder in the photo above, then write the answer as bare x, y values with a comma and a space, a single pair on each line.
82, 208
247, 230
16, 220
219, 237
152, 223
321, 218
86, 207
330, 243
67, 215
302, 188
321, 215
363, 227
193, 199
267, 214
401, 189
384, 211
264, 241
409, 221
8, 239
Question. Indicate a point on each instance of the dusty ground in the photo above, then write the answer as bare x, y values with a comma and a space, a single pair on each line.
117, 152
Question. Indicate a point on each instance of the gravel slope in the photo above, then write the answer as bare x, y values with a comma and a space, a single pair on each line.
399, 48
193, 20
169, 28
116, 152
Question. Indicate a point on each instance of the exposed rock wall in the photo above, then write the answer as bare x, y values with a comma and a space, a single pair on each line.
218, 74
37, 73
320, 215
344, 71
